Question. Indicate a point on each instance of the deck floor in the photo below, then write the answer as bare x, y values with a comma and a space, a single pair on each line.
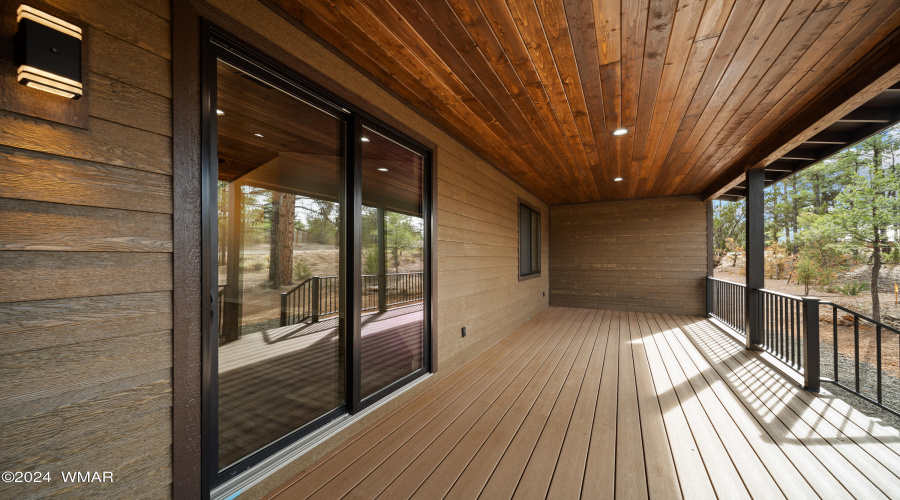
600, 404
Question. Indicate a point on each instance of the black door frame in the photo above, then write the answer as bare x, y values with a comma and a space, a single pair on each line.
217, 44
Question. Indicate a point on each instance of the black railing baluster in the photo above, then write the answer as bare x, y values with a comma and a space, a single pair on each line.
731, 304
878, 360
784, 327
793, 307
779, 342
798, 348
835, 326
856, 347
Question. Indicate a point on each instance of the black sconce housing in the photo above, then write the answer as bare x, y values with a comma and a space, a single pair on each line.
48, 59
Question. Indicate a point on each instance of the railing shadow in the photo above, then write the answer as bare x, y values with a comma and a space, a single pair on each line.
780, 397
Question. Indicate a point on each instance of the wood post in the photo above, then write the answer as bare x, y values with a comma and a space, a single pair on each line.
811, 352
755, 257
231, 330
316, 299
382, 260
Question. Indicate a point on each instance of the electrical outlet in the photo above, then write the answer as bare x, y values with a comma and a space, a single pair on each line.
463, 331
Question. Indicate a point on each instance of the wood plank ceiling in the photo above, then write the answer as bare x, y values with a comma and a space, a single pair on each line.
536, 87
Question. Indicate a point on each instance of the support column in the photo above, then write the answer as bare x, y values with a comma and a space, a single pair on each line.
382, 261
755, 257
812, 379
231, 329
710, 256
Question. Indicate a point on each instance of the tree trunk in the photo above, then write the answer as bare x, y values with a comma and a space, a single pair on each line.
281, 251
795, 213
876, 270
817, 193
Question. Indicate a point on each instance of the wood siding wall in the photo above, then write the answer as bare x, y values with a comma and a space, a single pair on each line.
641, 255
86, 270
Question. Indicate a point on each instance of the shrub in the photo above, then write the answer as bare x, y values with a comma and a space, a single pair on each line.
778, 262
807, 273
853, 288
301, 269
892, 257
370, 264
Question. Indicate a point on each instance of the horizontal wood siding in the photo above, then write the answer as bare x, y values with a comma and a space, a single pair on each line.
477, 257
641, 255
86, 270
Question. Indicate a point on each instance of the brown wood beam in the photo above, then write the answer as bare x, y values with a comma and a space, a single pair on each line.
870, 76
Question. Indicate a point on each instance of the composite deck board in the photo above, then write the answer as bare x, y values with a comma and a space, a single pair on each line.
416, 456
602, 404
442, 462
385, 438
471, 464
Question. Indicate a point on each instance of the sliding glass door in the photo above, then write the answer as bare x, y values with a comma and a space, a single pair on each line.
316, 249
393, 238
280, 166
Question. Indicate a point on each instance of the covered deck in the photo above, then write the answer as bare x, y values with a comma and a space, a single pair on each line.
601, 404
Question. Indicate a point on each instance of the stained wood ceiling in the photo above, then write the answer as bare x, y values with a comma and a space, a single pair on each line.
537, 86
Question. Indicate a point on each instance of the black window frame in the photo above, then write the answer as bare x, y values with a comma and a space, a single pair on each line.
216, 45
525, 245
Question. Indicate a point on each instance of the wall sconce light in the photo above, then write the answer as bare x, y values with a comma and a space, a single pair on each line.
48, 53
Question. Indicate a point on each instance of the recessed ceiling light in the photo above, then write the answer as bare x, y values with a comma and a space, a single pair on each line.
382, 169
617, 179
365, 139
220, 112
258, 135
620, 131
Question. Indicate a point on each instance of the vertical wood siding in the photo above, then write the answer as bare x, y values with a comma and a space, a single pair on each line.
86, 271
641, 255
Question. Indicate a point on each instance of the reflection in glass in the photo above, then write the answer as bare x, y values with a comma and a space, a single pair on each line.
392, 238
280, 349
535, 242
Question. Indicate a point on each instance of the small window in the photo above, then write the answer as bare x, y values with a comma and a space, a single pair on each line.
529, 241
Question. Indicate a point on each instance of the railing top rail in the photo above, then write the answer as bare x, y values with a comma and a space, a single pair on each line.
785, 295
292, 290
401, 274
862, 316
726, 281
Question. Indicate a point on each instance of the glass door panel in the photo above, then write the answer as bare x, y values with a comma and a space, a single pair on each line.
281, 348
392, 240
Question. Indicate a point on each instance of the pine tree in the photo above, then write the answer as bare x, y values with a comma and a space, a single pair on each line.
864, 209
